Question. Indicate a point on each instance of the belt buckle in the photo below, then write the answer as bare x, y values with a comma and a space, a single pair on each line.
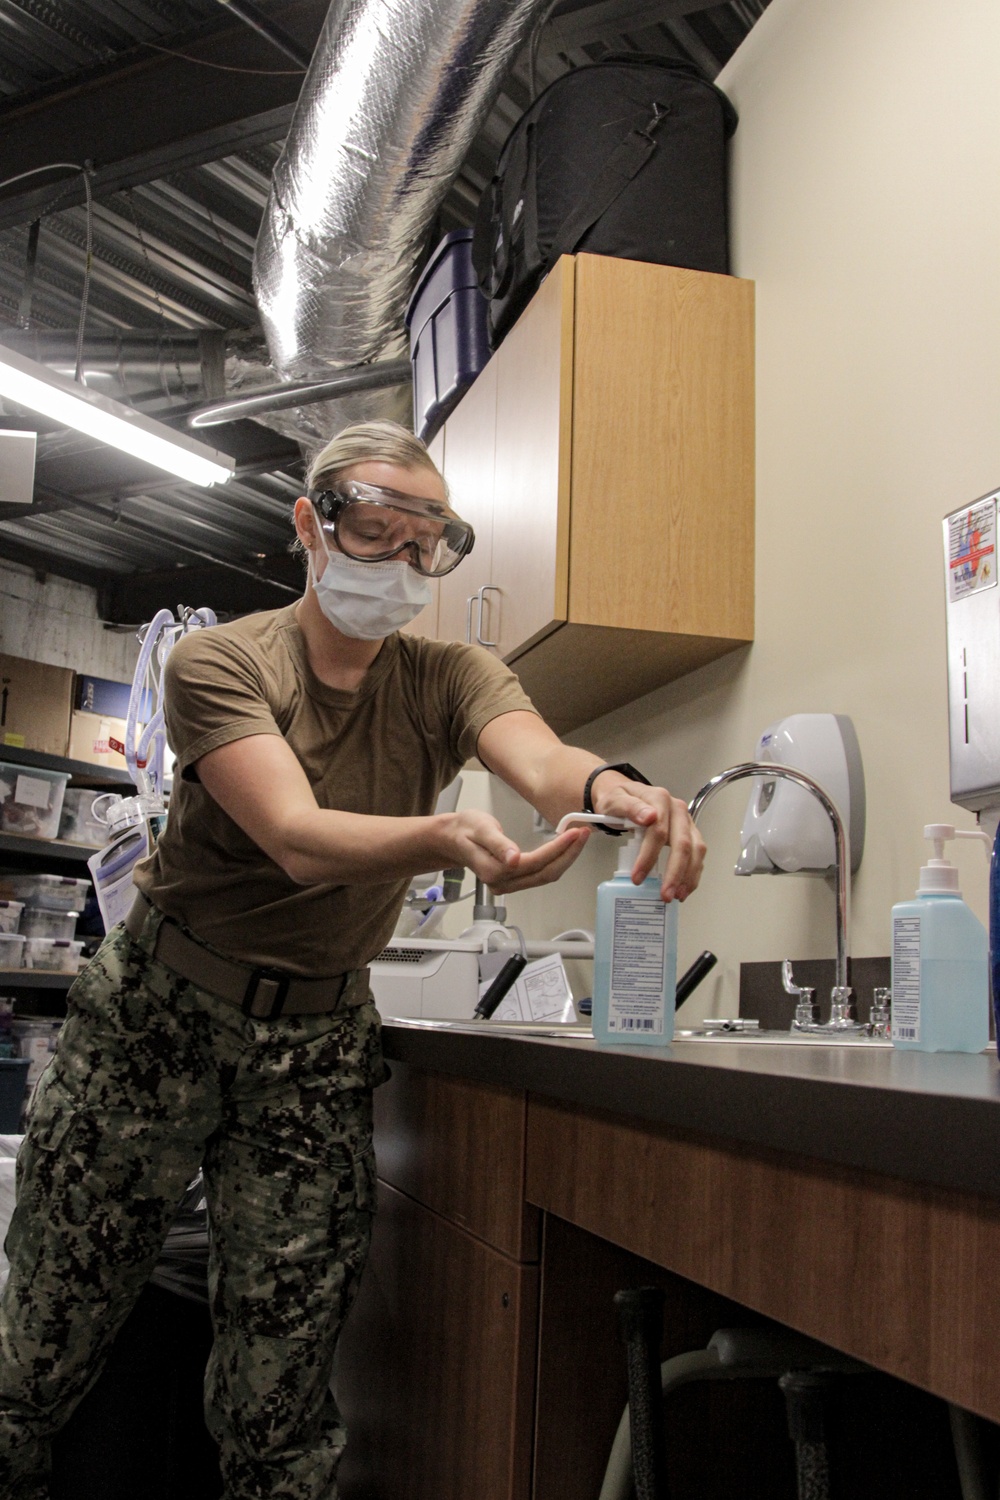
279, 979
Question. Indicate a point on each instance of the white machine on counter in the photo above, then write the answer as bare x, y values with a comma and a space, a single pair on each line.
433, 977
785, 830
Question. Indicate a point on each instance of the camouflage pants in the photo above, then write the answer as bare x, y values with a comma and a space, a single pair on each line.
152, 1079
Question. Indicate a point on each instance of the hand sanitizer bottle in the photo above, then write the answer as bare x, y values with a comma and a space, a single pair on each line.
940, 984
635, 957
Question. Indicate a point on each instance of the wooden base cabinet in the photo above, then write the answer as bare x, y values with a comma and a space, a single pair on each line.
483, 1359
605, 457
436, 1367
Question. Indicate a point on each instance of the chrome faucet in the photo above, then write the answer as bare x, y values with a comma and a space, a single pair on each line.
840, 995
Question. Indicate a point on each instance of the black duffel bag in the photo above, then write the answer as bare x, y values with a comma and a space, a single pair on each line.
626, 157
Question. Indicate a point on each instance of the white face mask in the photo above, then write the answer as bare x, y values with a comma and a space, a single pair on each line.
368, 601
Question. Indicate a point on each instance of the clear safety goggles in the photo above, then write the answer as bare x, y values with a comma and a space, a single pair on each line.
371, 524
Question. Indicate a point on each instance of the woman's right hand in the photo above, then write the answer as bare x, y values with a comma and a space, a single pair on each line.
477, 841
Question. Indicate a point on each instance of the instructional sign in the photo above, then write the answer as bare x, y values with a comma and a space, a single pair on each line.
972, 549
542, 993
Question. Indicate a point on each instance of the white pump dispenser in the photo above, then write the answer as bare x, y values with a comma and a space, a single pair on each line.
939, 875
940, 984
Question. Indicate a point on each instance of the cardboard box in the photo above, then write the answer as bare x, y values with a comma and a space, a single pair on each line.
99, 695
89, 737
36, 701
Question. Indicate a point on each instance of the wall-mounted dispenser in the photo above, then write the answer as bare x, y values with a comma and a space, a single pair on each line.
785, 830
972, 605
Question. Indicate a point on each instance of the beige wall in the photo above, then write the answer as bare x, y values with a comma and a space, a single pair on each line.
56, 621
866, 207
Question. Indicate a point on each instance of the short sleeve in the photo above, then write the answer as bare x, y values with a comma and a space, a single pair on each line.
479, 688
214, 694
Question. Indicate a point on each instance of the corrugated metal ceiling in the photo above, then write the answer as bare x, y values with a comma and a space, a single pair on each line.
182, 108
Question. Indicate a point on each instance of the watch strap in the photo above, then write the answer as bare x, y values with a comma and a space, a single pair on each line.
626, 770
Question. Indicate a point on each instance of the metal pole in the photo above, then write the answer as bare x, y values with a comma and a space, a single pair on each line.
252, 17
303, 393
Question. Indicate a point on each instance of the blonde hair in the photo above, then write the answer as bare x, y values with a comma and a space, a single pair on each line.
368, 442
380, 441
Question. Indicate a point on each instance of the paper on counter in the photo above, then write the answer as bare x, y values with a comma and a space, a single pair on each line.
542, 993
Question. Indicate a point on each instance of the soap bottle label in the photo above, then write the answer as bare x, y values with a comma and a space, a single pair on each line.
638, 966
906, 979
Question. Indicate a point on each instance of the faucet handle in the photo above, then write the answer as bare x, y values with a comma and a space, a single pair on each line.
840, 1009
787, 983
805, 1016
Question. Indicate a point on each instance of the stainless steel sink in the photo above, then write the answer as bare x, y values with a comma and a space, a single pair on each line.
566, 1029
785, 1038
581, 1030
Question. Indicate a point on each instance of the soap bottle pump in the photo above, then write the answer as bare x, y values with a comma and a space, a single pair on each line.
940, 984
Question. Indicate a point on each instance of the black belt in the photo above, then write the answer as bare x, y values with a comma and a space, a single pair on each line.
261, 993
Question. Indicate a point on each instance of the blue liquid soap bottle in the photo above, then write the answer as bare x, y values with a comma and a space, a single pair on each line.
635, 957
940, 970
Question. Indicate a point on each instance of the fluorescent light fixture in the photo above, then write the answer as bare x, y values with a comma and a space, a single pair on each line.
53, 395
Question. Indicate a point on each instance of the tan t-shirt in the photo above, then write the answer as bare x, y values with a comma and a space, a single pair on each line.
389, 748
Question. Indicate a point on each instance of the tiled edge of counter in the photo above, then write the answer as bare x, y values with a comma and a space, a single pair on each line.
922, 1118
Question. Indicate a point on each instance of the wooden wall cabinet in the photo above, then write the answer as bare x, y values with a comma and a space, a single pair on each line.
605, 457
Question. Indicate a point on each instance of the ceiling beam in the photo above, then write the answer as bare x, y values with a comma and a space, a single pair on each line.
43, 562
180, 113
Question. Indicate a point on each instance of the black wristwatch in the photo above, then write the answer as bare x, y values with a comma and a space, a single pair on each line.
626, 770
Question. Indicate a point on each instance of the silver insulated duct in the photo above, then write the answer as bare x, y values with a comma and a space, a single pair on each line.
395, 94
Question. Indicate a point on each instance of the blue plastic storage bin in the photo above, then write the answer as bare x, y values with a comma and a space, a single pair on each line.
13, 1082
449, 344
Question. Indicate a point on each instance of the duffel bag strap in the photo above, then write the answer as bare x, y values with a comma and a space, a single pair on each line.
624, 163
493, 246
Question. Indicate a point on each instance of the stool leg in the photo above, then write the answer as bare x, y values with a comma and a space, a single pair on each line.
805, 1395
640, 1324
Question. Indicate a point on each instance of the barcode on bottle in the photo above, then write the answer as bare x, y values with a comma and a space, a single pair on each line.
637, 1023
906, 1033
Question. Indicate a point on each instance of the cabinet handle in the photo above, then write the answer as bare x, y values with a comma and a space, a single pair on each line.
487, 588
468, 617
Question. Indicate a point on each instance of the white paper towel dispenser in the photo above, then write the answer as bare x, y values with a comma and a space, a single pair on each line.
785, 830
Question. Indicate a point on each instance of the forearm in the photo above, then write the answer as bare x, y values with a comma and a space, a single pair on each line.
321, 846
554, 782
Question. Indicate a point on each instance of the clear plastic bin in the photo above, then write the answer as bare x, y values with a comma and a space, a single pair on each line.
36, 922
11, 950
53, 892
31, 800
10, 915
77, 825
61, 955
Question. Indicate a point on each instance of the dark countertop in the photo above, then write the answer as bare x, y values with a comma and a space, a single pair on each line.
921, 1117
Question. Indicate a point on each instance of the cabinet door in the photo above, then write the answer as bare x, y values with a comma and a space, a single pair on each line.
435, 1368
426, 623
531, 508
469, 445
663, 450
